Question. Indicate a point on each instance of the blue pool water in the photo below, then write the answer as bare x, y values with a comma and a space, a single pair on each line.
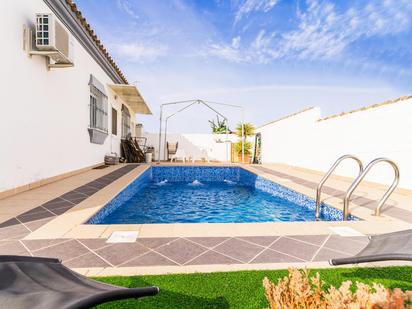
207, 194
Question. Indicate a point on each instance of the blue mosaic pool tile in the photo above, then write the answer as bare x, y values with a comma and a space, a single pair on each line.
265, 185
191, 173
126, 194
202, 173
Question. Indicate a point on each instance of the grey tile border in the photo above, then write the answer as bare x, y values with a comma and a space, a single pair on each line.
34, 225
13, 231
181, 250
13, 248
312, 239
208, 242
33, 211
35, 216
270, 256
87, 260
175, 251
87, 190
120, 253
72, 195
326, 254
64, 251
150, 258
156, 242
212, 257
94, 243
62, 210
260, 240
344, 244
10, 222
37, 244
396, 212
239, 249
295, 248
56, 203
60, 204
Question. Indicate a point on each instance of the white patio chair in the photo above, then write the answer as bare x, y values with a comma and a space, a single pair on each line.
201, 157
179, 155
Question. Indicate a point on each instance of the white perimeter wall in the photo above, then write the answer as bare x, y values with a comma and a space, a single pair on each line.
385, 131
196, 144
44, 114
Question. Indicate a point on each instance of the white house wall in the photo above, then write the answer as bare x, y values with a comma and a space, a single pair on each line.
45, 113
196, 144
304, 141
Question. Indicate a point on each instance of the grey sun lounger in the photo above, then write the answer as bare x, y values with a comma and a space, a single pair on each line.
385, 247
33, 282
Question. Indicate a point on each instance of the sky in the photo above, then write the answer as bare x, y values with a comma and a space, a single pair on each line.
273, 57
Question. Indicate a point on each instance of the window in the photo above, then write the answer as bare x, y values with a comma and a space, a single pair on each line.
125, 121
98, 126
114, 121
98, 109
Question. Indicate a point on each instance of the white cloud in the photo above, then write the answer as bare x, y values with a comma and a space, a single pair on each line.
323, 32
236, 42
135, 52
248, 6
224, 51
126, 7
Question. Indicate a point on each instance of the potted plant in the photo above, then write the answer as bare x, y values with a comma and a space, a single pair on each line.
219, 127
248, 130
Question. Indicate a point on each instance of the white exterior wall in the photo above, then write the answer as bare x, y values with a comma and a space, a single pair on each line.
45, 113
384, 131
196, 144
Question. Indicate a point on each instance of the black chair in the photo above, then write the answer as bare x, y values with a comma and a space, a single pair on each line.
385, 247
34, 282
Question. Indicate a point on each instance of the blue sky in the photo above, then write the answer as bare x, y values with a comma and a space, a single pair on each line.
274, 57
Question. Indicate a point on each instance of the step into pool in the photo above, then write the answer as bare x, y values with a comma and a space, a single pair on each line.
194, 194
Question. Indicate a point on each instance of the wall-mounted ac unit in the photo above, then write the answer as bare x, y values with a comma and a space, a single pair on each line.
52, 40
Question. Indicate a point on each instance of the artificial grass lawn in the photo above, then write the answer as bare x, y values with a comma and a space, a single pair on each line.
242, 289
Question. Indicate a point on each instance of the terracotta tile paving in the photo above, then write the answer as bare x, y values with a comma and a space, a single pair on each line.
395, 212
181, 251
67, 200
164, 251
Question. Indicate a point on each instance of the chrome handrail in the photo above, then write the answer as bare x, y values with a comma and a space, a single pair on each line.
334, 166
360, 178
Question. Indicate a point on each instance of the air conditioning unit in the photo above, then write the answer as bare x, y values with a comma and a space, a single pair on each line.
52, 39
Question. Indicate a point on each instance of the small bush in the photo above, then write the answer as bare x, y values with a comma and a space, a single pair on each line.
298, 290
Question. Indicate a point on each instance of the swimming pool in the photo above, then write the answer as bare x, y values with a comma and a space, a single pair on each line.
194, 194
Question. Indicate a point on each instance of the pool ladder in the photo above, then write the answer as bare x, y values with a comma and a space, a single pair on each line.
362, 173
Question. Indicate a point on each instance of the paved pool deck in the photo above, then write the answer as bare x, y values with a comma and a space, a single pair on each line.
49, 221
